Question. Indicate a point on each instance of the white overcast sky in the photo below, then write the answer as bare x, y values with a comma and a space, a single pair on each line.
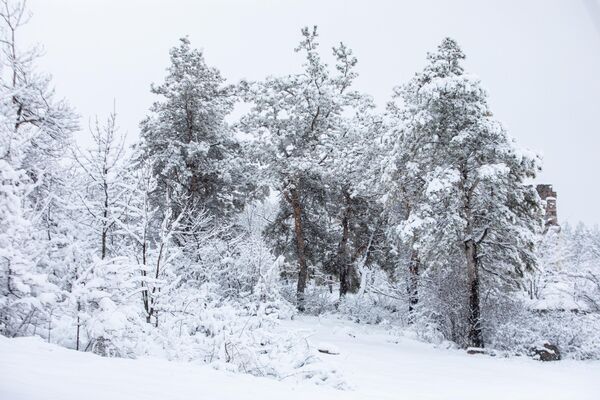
539, 60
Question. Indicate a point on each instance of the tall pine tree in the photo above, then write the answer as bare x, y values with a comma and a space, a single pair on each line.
194, 155
298, 121
473, 197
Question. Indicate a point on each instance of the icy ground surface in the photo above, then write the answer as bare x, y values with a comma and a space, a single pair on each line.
374, 362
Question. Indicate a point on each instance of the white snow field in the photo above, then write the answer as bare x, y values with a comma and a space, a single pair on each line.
376, 364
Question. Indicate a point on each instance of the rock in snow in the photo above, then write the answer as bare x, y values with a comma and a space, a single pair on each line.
328, 348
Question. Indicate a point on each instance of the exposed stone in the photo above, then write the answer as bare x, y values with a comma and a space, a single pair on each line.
546, 352
328, 348
476, 350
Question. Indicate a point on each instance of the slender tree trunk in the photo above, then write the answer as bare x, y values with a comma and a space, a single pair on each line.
475, 334
344, 271
145, 288
294, 199
78, 326
413, 284
50, 325
103, 244
152, 310
342, 256
105, 216
191, 167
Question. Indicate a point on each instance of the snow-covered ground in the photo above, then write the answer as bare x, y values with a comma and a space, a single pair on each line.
375, 363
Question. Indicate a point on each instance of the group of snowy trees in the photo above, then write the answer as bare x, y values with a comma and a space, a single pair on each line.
426, 210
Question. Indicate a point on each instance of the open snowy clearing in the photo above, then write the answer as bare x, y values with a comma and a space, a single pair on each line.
375, 363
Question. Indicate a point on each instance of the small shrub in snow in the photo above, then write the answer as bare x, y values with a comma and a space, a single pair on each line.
370, 308
318, 300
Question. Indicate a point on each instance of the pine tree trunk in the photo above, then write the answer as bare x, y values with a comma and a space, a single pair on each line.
300, 247
413, 284
475, 335
342, 256
103, 245
344, 284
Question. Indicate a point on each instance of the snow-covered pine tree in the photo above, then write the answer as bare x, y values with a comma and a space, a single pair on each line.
297, 121
402, 185
195, 158
474, 199
352, 175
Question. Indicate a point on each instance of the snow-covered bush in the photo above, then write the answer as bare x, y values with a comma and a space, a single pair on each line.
25, 293
561, 296
106, 314
240, 335
318, 299
575, 335
375, 305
